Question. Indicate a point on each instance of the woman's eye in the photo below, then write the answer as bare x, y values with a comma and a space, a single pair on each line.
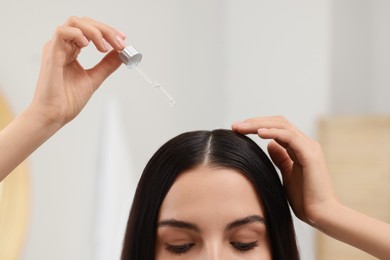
179, 249
243, 247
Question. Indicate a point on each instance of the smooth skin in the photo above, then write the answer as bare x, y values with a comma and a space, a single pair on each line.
212, 213
309, 191
64, 87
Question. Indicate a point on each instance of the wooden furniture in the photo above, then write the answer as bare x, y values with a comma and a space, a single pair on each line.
357, 150
13, 203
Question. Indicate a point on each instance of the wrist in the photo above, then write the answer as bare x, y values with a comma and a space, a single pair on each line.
48, 122
325, 213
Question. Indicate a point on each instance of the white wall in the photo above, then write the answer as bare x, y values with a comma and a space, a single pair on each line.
278, 60
381, 57
360, 57
351, 56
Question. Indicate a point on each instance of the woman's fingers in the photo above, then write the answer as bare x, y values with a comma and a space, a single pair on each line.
76, 34
280, 157
250, 126
70, 34
103, 36
64, 86
276, 127
299, 147
104, 68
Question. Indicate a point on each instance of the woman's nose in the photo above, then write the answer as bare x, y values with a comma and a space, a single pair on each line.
216, 251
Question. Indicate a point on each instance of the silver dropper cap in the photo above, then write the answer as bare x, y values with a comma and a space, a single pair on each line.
130, 56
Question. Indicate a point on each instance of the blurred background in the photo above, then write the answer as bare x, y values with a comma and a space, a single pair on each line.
222, 61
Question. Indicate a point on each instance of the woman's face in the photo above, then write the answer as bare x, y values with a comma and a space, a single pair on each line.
212, 213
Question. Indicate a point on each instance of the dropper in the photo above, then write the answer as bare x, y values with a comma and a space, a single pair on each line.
131, 58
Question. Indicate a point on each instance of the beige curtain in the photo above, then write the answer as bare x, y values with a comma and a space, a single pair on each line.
357, 150
13, 202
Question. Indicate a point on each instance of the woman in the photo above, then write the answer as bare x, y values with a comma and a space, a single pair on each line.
210, 195
63, 89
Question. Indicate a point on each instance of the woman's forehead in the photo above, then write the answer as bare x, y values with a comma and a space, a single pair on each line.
206, 191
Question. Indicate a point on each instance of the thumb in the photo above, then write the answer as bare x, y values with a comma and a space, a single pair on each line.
104, 68
280, 157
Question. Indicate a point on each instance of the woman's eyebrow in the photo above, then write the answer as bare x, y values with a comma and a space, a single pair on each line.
178, 224
244, 221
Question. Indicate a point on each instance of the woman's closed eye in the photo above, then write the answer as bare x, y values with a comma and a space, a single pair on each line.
244, 247
184, 248
179, 249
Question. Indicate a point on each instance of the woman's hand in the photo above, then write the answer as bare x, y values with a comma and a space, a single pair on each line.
308, 187
300, 161
63, 89
64, 86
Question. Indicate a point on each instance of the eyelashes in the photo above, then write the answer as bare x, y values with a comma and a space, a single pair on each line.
238, 246
244, 247
179, 249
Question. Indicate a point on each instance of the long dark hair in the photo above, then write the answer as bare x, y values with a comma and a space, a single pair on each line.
222, 148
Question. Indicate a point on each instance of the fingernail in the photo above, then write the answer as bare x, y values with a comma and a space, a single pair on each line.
120, 41
106, 45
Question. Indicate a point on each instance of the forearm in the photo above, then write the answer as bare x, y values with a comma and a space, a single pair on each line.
21, 137
356, 229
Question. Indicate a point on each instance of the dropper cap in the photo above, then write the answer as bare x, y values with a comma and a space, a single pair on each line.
130, 56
